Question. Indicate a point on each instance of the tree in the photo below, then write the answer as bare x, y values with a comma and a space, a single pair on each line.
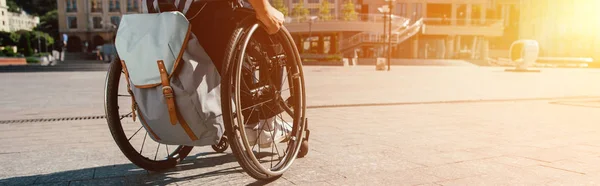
349, 11
37, 7
49, 24
300, 12
24, 46
278, 4
7, 39
325, 11
12, 6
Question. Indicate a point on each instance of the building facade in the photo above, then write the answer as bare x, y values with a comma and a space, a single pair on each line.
4, 16
89, 23
11, 21
470, 29
22, 21
451, 29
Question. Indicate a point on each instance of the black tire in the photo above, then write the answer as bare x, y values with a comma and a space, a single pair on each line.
222, 145
116, 128
230, 62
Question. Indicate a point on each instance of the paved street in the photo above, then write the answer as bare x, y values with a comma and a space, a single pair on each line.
409, 126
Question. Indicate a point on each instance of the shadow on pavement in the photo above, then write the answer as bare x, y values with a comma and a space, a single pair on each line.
130, 174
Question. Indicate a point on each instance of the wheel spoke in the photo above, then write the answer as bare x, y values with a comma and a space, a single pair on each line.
142, 149
167, 147
156, 154
135, 133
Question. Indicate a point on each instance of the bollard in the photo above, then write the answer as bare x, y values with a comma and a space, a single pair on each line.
380, 64
524, 53
345, 61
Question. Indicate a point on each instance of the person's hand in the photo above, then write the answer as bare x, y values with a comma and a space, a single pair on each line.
271, 18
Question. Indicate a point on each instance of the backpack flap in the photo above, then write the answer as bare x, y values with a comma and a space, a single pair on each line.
144, 39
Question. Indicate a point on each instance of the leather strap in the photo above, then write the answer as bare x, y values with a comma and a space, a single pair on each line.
134, 105
167, 92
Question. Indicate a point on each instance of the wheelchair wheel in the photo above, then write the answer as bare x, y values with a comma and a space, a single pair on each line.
131, 137
222, 145
263, 87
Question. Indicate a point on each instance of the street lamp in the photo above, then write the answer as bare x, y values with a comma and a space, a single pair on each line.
386, 9
310, 22
391, 6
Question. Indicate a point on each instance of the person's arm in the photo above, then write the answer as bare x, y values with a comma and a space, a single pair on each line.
269, 16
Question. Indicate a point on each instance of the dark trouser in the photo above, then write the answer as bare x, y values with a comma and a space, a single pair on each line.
214, 26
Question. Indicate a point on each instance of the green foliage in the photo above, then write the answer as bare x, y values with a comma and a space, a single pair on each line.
37, 7
49, 24
41, 54
32, 59
8, 52
278, 4
7, 39
349, 11
24, 44
300, 11
12, 6
325, 11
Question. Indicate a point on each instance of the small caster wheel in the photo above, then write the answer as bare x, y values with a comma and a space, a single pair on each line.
303, 149
221, 146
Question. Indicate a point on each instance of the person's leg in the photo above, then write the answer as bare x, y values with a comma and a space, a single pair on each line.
213, 27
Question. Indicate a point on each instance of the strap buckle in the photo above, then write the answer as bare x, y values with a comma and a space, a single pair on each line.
167, 91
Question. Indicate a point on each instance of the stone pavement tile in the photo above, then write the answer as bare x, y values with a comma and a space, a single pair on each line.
434, 159
517, 161
18, 180
66, 176
547, 155
359, 169
588, 179
552, 173
408, 177
501, 150
118, 170
298, 175
115, 181
586, 148
64, 183
468, 169
575, 166
495, 180
245, 179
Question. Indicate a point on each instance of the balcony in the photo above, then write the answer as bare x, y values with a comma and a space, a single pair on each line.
397, 37
439, 26
363, 23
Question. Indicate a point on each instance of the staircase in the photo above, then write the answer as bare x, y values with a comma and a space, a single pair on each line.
402, 30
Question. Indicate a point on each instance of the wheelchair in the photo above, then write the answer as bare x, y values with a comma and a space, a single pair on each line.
261, 78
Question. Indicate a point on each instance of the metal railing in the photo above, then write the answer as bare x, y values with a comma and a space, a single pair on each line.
376, 18
463, 22
396, 37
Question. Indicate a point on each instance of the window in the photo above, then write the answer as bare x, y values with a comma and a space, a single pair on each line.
115, 20
295, 1
313, 1
3, 23
401, 9
2, 12
96, 5
72, 22
71, 5
97, 22
313, 11
132, 5
418, 11
114, 5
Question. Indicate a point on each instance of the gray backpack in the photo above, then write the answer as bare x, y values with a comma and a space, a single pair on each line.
174, 83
